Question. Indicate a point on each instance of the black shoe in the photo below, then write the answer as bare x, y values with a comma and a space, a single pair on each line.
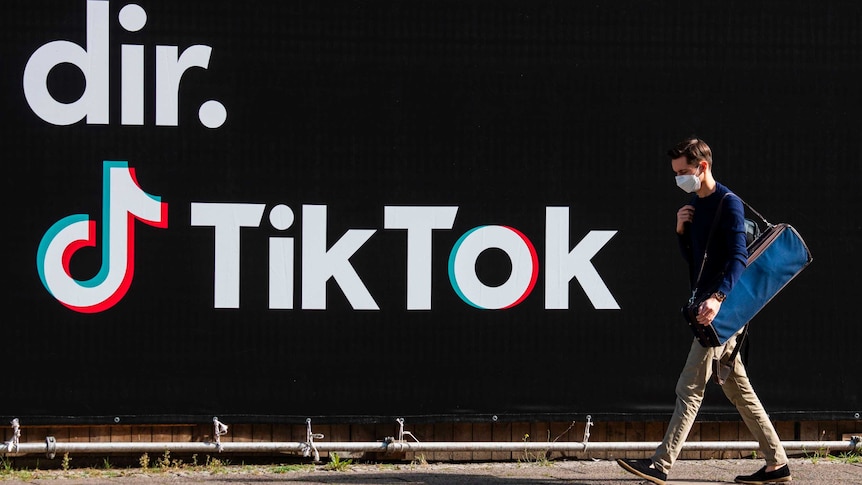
762, 476
642, 468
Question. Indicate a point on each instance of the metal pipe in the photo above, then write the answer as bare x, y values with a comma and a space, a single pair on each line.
52, 447
399, 447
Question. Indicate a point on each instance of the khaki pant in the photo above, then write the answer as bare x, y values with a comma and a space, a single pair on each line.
689, 395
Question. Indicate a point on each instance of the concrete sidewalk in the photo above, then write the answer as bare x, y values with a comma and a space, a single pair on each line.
699, 472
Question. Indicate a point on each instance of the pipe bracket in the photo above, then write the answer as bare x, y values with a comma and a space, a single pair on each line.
308, 447
587, 427
219, 430
402, 433
12, 444
51, 447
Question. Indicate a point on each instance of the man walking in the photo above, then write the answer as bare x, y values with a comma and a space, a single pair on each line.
691, 161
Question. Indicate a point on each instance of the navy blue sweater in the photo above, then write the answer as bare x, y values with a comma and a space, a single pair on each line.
727, 256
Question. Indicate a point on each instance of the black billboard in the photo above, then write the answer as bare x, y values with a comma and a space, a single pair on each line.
445, 210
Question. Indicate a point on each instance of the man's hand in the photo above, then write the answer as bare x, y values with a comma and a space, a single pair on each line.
683, 215
708, 310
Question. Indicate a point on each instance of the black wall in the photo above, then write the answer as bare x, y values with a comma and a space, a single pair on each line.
499, 108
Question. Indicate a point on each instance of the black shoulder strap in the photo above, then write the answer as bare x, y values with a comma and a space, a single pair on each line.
739, 342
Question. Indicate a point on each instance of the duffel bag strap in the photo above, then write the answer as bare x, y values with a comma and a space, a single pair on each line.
752, 209
739, 341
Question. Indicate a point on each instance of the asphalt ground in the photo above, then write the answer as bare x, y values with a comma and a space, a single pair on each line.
584, 472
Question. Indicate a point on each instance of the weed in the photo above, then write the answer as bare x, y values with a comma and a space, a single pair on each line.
144, 461
337, 464
5, 465
214, 465
165, 462
65, 463
106, 464
849, 457
820, 454
538, 458
419, 460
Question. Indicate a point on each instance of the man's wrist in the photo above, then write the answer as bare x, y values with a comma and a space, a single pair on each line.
719, 296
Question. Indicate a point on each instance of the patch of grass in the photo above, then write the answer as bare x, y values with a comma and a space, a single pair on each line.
104, 468
25, 475
337, 464
290, 468
848, 457
8, 472
851, 457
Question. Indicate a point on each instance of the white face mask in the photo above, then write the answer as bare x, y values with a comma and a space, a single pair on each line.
689, 183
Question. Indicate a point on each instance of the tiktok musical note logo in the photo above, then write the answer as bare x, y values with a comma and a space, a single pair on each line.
123, 201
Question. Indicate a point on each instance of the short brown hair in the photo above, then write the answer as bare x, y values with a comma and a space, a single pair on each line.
693, 149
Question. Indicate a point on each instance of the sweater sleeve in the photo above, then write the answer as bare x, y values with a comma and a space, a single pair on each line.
733, 222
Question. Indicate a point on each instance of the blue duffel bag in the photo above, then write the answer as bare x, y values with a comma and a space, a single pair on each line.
775, 257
